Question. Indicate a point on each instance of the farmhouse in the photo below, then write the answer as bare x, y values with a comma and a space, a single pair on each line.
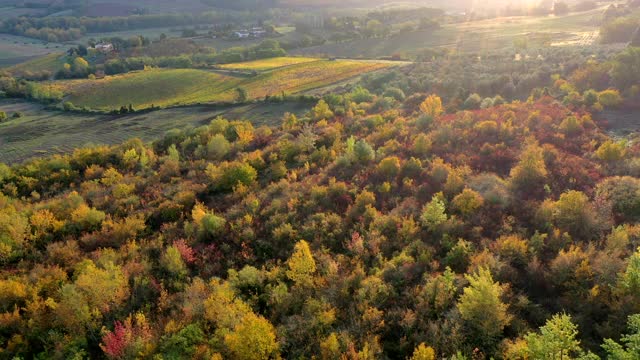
258, 32
255, 32
242, 34
104, 47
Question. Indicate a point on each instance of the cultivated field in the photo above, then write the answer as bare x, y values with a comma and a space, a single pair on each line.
170, 87
269, 64
43, 132
156, 87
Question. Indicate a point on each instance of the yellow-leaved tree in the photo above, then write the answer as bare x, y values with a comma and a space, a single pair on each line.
423, 352
480, 306
301, 265
530, 172
432, 106
253, 338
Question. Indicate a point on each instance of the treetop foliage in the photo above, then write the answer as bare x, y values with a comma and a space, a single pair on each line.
371, 227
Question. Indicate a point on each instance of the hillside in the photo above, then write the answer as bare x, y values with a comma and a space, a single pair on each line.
268, 64
319, 180
42, 132
473, 36
169, 87
17, 49
50, 63
323, 234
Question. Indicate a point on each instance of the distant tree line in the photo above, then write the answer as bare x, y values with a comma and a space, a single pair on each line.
45, 93
266, 49
67, 28
247, 5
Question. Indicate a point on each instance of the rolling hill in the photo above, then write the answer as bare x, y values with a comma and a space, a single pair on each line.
171, 87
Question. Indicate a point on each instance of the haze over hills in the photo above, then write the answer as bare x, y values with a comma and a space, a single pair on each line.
122, 8
320, 179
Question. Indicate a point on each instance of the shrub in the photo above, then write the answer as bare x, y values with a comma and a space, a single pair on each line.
473, 102
610, 98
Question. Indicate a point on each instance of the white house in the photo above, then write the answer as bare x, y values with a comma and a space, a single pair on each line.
257, 32
242, 34
104, 48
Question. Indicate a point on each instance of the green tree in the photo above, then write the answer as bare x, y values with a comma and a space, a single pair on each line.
571, 126
556, 339
80, 67
211, 225
630, 347
590, 97
5, 172
626, 67
472, 102
389, 167
611, 151
241, 94
623, 194
610, 98
422, 145
363, 152
530, 171
218, 147
86, 218
229, 175
574, 213
360, 95
467, 202
394, 93
289, 121
481, 308
631, 276
183, 344
321, 111
434, 213
172, 262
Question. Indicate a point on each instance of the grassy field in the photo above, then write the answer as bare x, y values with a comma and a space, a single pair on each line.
170, 87
17, 49
472, 36
43, 132
51, 62
269, 64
